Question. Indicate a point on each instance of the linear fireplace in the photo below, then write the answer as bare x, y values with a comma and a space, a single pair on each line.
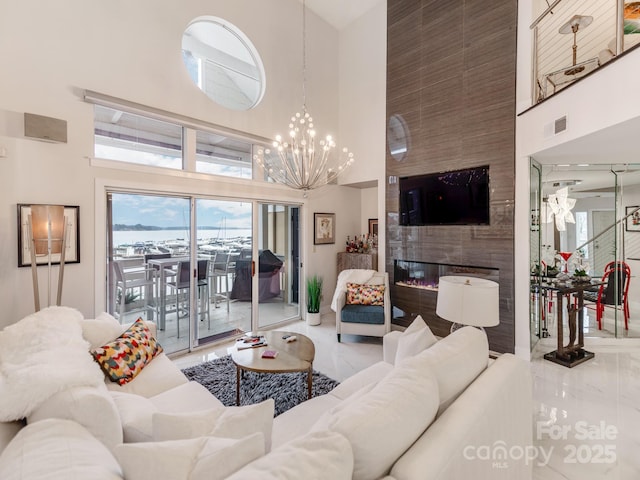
426, 275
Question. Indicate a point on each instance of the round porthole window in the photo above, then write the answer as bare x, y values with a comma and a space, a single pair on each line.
223, 63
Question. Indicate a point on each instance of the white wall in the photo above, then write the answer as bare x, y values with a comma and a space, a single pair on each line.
52, 51
322, 259
369, 206
592, 104
363, 104
522, 192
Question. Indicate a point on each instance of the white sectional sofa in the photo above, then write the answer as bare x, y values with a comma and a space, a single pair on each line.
421, 413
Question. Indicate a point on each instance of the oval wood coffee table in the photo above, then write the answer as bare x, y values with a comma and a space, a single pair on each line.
296, 356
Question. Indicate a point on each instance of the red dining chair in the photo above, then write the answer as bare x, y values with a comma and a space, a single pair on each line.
606, 293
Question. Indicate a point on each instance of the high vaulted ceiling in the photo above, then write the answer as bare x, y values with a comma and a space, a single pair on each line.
616, 145
340, 13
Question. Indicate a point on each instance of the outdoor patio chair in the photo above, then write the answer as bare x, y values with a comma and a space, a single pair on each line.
135, 282
181, 286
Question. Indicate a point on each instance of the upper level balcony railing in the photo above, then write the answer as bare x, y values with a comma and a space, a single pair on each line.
572, 38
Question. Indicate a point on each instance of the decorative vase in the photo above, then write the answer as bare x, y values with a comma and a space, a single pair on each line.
313, 319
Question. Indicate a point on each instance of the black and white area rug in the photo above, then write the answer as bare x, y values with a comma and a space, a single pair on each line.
287, 389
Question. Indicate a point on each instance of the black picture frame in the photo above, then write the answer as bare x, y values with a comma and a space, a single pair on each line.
72, 255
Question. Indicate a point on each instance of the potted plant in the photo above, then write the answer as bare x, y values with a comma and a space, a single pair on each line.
314, 294
580, 275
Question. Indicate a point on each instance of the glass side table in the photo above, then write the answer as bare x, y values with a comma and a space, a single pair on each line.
559, 79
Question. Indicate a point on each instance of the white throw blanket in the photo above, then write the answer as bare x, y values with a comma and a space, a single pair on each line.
42, 354
350, 276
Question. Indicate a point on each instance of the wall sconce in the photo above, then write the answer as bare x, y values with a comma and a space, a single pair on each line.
47, 229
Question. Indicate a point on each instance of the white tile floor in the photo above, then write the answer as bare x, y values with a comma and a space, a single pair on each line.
599, 399
336, 360
588, 416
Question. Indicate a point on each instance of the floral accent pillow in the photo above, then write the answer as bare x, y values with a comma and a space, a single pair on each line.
365, 294
125, 357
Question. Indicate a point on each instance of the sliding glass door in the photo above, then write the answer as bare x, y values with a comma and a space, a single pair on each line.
195, 267
224, 241
278, 263
160, 270
149, 249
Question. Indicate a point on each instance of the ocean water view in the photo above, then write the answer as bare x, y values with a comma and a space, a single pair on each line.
176, 242
131, 237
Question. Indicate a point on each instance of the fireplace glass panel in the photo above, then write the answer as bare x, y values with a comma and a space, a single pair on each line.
426, 276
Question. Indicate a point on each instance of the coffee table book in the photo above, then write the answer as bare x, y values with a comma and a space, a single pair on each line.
251, 342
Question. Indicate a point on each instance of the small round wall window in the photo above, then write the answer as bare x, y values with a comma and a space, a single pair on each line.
223, 63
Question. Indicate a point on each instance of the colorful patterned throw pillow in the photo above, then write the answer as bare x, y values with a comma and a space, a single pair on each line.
125, 357
365, 294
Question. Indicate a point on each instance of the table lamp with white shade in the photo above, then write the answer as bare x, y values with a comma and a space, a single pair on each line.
468, 301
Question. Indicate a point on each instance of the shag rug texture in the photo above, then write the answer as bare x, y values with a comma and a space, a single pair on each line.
287, 389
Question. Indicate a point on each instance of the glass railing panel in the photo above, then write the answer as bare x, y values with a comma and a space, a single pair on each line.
575, 37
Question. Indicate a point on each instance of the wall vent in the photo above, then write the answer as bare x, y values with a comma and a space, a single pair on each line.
560, 125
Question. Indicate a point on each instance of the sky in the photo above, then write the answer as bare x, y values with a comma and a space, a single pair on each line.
162, 211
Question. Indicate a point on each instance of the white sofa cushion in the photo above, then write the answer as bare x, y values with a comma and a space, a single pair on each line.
55, 449
317, 456
136, 414
456, 361
297, 422
100, 330
91, 407
372, 374
491, 416
156, 377
226, 422
209, 458
384, 421
416, 338
186, 397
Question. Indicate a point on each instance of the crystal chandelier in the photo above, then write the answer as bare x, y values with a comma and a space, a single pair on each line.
297, 161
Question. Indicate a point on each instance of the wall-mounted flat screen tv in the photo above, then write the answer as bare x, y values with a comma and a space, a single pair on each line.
459, 197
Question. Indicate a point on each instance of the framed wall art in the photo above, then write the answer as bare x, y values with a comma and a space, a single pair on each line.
633, 219
72, 249
324, 228
373, 226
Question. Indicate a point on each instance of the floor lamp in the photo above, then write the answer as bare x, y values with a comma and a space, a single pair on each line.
468, 301
47, 229
574, 24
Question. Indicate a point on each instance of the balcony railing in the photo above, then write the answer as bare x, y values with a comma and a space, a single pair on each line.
572, 38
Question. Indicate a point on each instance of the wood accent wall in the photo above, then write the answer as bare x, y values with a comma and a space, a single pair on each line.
451, 73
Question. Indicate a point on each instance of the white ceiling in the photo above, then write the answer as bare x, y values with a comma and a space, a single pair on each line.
612, 148
340, 13
616, 144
